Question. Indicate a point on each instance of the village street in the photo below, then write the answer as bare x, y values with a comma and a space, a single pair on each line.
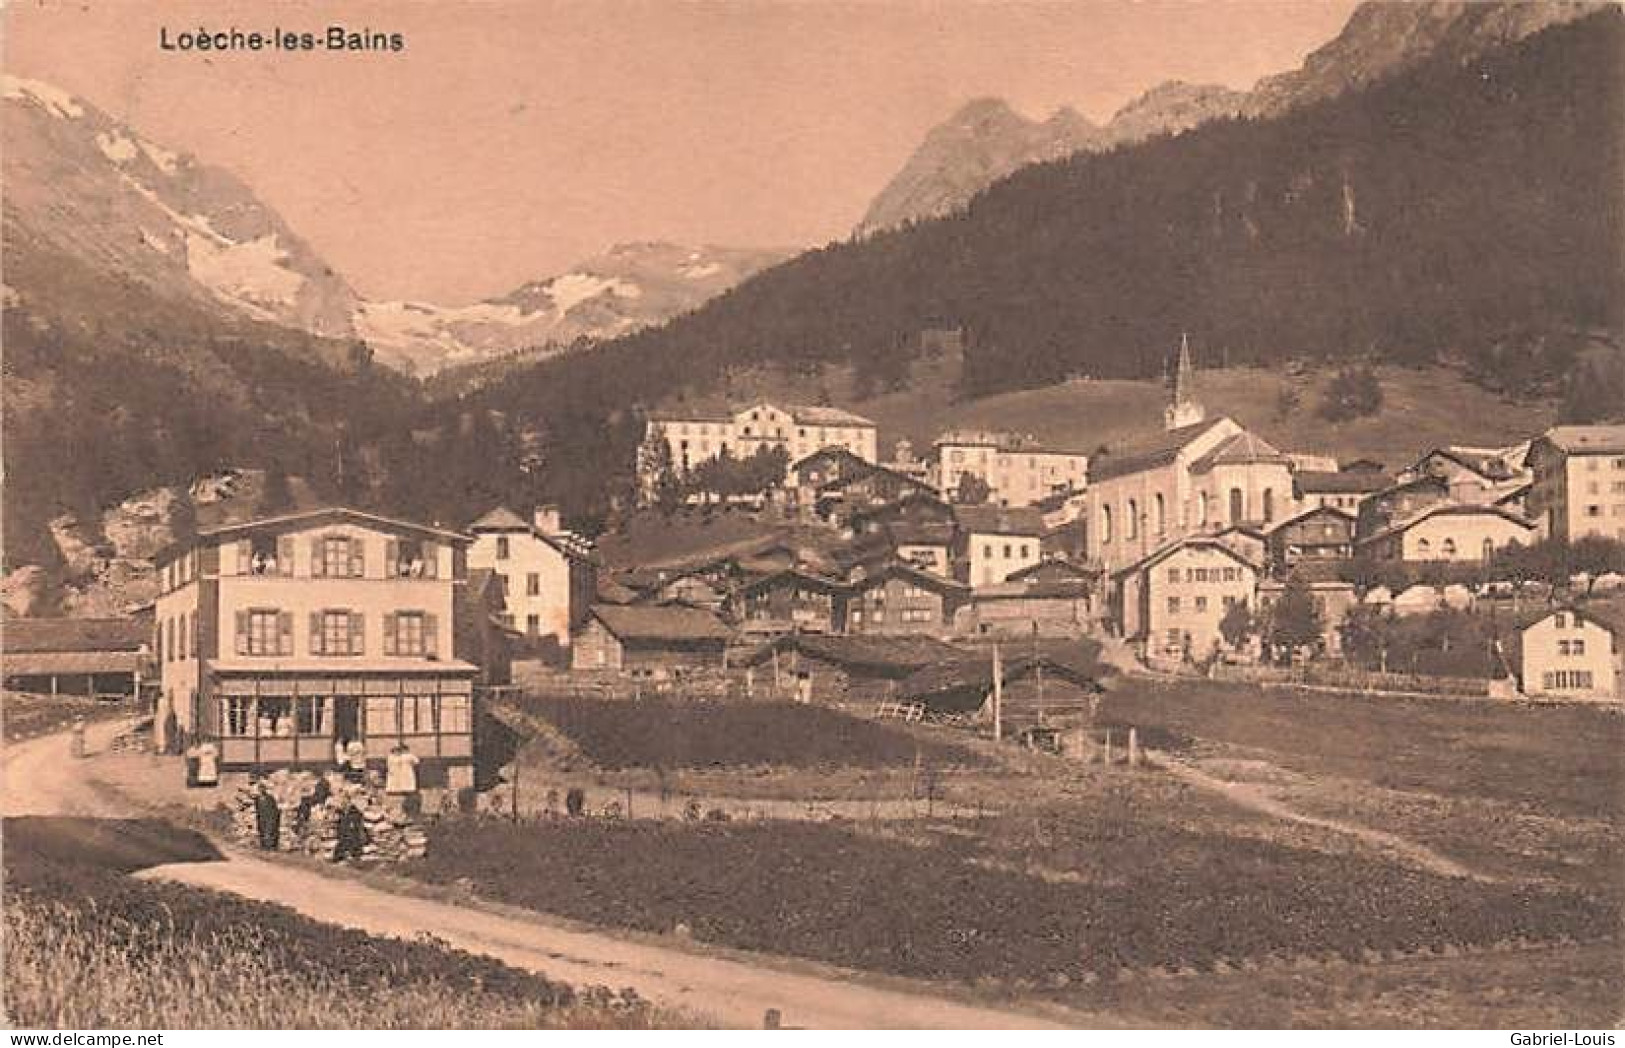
41, 779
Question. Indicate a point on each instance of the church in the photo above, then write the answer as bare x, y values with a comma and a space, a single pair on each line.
1199, 475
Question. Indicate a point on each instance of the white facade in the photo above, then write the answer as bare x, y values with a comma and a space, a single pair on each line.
799, 429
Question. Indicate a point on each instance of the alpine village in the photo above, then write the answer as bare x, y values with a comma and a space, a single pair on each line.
1179, 581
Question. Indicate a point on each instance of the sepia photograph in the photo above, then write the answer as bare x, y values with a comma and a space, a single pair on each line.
756, 515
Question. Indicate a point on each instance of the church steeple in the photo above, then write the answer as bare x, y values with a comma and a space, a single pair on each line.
1183, 409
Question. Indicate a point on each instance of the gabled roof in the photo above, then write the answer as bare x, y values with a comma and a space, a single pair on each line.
1449, 509
1000, 520
317, 518
975, 675
660, 622
1587, 440
1058, 567
503, 519
1494, 464
796, 576
1208, 542
18, 636
500, 518
919, 576
892, 656
833, 451
1608, 613
1318, 511
1148, 453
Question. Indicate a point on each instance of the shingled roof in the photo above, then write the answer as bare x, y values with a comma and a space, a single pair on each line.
79, 635
660, 622
1000, 520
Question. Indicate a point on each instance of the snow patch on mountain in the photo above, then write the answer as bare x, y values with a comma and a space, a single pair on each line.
572, 289
117, 148
54, 100
251, 273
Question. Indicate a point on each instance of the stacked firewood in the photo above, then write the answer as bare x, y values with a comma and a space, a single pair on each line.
314, 828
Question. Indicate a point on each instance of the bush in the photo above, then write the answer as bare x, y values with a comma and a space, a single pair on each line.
1352, 393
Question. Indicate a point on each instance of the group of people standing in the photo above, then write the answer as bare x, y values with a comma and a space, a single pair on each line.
350, 760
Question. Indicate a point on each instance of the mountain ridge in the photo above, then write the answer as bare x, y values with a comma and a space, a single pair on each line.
1380, 38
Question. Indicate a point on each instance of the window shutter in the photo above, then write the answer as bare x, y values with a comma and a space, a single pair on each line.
357, 637
358, 559
284, 555
390, 644
242, 633
318, 568
431, 560
431, 635
392, 558
284, 632
316, 633
245, 556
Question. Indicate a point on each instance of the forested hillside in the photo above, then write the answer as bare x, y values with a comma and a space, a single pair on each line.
1466, 213
109, 390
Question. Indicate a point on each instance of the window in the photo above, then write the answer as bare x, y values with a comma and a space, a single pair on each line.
1238, 505
1488, 548
412, 559
1173, 605
987, 551
1562, 620
533, 584
1269, 505
311, 716
502, 547
180, 639
340, 557
1423, 547
169, 646
267, 555
533, 624
1173, 574
1563, 647
1162, 515
263, 631
1024, 549
1007, 551
1578, 647
412, 633
1201, 603
1105, 524
1202, 510
1449, 548
1131, 520
335, 632
240, 715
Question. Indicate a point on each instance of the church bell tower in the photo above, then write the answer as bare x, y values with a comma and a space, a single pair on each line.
1183, 409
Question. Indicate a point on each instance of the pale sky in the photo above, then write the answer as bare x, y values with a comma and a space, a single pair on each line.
511, 139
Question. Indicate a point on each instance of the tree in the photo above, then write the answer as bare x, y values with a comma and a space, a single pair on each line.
1238, 625
276, 496
1352, 393
1295, 620
1364, 632
971, 490
1594, 555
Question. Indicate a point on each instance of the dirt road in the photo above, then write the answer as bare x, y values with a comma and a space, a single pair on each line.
41, 779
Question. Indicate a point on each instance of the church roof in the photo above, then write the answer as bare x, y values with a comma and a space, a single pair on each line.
1242, 449
1147, 453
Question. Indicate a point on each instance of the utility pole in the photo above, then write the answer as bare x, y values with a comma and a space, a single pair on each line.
998, 695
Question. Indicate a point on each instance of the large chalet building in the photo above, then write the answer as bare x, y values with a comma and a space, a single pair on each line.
800, 429
1017, 470
278, 637
1578, 481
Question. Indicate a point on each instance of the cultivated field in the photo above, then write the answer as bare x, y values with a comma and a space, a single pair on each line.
88, 947
1334, 860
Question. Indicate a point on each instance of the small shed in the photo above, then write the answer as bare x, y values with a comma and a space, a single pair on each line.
843, 668
658, 642
1037, 691
92, 657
